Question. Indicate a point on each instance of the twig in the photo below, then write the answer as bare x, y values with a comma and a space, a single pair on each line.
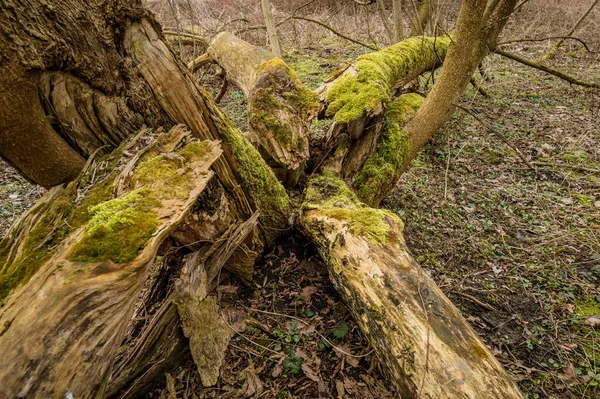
544, 68
543, 39
306, 324
554, 48
498, 134
222, 91
198, 62
564, 165
324, 25
477, 301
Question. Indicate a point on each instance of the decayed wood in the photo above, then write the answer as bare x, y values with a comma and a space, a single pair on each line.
199, 314
422, 339
63, 327
280, 106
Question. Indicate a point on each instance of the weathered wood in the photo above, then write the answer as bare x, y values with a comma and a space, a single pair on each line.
64, 325
280, 106
422, 339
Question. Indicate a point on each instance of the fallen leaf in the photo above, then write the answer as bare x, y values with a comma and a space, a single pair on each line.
308, 291
592, 321
569, 375
252, 384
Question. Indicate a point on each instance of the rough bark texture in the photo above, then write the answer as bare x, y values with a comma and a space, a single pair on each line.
63, 327
424, 342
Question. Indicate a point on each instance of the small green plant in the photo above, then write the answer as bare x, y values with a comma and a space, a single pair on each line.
293, 364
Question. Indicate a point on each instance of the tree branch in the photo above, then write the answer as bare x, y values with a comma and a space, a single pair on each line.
324, 25
496, 133
544, 68
548, 38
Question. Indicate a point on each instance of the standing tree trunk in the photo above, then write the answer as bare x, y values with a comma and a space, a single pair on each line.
398, 20
271, 29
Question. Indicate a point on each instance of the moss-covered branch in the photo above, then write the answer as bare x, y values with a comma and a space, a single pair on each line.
368, 85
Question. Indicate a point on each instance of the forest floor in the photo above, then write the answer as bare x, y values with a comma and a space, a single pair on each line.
516, 249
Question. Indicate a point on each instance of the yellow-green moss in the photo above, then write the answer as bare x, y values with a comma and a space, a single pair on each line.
62, 218
382, 167
332, 197
118, 228
377, 75
281, 104
257, 178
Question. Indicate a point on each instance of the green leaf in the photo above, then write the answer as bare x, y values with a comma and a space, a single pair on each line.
293, 364
341, 331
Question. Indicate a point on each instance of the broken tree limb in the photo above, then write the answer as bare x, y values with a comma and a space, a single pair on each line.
89, 260
280, 106
551, 71
422, 339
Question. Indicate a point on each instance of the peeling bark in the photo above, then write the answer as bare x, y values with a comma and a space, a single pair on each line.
422, 339
66, 338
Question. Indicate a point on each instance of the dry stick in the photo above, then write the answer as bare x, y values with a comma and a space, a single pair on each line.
554, 48
336, 32
542, 39
544, 68
563, 165
222, 91
307, 324
198, 62
192, 36
498, 134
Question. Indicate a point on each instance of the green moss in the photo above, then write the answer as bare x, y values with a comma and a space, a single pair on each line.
575, 157
194, 151
281, 104
377, 75
382, 167
118, 229
332, 197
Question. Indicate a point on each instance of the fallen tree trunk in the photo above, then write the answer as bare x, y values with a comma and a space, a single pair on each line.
160, 92
424, 342
65, 320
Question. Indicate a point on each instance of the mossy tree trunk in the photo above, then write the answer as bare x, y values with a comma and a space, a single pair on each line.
69, 245
280, 107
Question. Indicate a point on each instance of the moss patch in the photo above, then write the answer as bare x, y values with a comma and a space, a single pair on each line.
332, 197
282, 105
118, 229
382, 167
377, 75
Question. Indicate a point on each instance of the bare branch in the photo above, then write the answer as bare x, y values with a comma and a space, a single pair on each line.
336, 32
198, 62
496, 133
548, 38
544, 68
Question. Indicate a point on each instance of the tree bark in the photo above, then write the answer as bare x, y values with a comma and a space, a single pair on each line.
65, 339
424, 342
271, 29
398, 20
